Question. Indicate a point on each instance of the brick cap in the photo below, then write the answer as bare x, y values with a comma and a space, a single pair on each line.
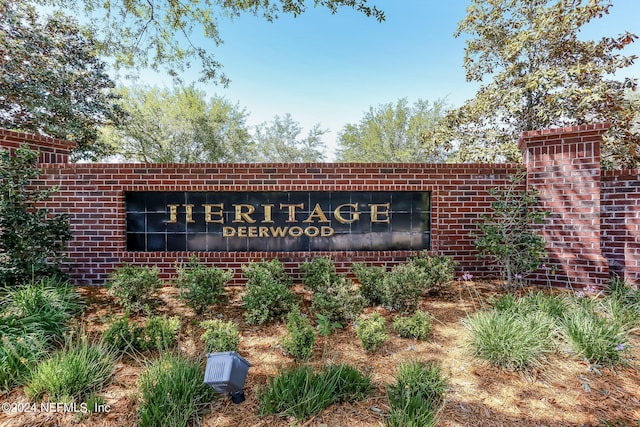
556, 132
41, 140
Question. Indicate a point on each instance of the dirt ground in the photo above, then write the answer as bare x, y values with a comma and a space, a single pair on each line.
564, 391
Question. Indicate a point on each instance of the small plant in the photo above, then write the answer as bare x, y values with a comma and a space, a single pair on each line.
220, 336
510, 339
325, 326
438, 270
417, 395
160, 333
73, 373
403, 286
173, 393
371, 279
597, 339
372, 331
301, 338
508, 235
123, 335
201, 286
134, 287
318, 273
19, 354
417, 326
301, 393
268, 296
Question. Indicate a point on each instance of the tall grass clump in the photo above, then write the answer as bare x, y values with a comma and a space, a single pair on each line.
417, 396
134, 287
72, 373
510, 339
300, 392
201, 286
173, 392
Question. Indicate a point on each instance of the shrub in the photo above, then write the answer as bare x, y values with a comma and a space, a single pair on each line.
301, 338
220, 336
508, 235
417, 395
438, 270
510, 339
318, 274
201, 286
73, 373
160, 333
268, 295
339, 301
301, 393
403, 286
372, 331
33, 240
134, 287
417, 326
594, 337
371, 279
173, 393
122, 335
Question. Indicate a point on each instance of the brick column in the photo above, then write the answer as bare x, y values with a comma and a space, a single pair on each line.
564, 166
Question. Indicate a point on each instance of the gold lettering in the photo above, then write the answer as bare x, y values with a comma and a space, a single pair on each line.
263, 231
267, 213
296, 233
278, 231
326, 231
355, 215
228, 232
244, 216
253, 231
292, 210
242, 231
173, 213
209, 213
311, 231
189, 213
375, 212
317, 212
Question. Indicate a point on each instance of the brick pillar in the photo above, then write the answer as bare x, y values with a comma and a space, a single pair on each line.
564, 166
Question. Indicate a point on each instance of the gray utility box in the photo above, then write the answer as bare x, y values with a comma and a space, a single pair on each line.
226, 372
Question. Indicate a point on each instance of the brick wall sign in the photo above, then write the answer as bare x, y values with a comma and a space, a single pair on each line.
278, 221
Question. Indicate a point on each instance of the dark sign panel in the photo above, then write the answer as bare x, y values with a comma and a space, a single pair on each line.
278, 221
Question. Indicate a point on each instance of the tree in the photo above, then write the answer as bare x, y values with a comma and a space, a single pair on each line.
179, 126
280, 141
157, 33
542, 76
392, 133
31, 239
52, 81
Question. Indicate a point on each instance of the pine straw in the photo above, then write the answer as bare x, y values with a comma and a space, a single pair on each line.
563, 391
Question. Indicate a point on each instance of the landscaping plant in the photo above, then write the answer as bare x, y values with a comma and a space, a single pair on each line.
173, 392
219, 336
134, 287
160, 333
416, 326
301, 336
372, 331
268, 295
123, 335
201, 286
371, 279
438, 270
403, 286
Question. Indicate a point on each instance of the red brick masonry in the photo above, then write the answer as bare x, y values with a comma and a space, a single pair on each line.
594, 225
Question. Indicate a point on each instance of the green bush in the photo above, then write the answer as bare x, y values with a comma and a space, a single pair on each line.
73, 373
417, 326
123, 335
372, 331
201, 286
510, 339
371, 279
438, 270
33, 240
318, 273
594, 337
268, 296
301, 393
220, 336
403, 286
340, 301
301, 337
134, 287
160, 333
417, 395
173, 393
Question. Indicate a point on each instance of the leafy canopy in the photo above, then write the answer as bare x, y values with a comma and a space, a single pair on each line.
392, 133
52, 81
162, 33
540, 74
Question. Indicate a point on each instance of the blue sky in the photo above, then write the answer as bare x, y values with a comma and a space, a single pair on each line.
329, 69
